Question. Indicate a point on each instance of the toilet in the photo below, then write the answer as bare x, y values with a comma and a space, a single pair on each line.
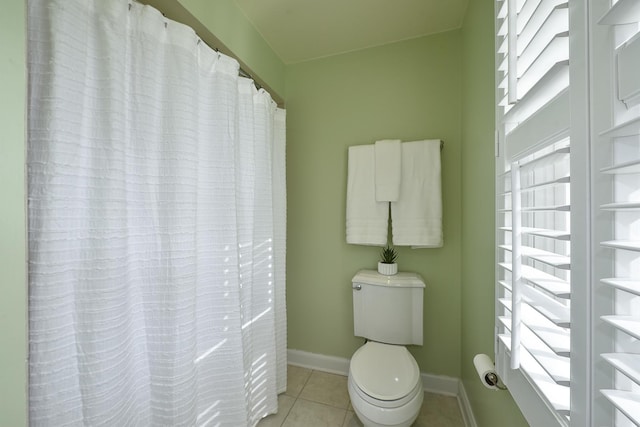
384, 379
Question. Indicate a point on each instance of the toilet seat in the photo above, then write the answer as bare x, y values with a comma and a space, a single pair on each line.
383, 404
386, 374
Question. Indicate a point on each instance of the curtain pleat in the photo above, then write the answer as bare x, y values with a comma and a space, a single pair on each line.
157, 224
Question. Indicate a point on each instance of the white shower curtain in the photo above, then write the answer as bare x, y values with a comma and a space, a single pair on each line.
156, 225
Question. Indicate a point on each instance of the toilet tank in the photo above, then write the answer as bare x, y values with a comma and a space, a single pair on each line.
388, 309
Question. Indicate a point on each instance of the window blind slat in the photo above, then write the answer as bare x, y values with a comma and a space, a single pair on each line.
557, 396
557, 313
548, 62
503, 84
630, 167
504, 102
622, 12
549, 183
627, 402
557, 339
629, 245
506, 303
550, 283
504, 66
621, 206
526, 12
546, 257
624, 284
503, 47
505, 284
552, 234
556, 24
551, 157
557, 367
628, 364
531, 21
628, 128
553, 311
626, 324
502, 31
502, 11
552, 208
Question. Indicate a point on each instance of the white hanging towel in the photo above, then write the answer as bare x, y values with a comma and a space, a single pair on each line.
416, 218
367, 220
387, 170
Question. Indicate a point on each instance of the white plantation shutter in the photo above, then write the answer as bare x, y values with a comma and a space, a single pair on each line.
568, 210
616, 136
534, 271
533, 310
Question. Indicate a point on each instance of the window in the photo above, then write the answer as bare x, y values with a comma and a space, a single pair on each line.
533, 310
568, 209
535, 284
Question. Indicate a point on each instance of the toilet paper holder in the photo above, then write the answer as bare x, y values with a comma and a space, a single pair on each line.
487, 372
494, 380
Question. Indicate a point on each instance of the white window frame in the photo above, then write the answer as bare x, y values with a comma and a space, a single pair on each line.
594, 107
533, 406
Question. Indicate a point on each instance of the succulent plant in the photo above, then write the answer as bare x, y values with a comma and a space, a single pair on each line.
388, 255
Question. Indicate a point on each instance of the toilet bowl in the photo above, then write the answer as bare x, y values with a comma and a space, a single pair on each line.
384, 385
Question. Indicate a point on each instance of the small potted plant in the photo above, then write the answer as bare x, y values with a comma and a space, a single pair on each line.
387, 264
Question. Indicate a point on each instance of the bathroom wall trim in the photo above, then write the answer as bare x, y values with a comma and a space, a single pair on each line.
465, 407
438, 384
319, 362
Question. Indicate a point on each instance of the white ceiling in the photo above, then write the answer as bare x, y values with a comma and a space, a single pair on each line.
300, 30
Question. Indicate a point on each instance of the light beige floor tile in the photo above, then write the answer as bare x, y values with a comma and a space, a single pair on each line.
285, 403
296, 379
329, 389
351, 420
311, 414
439, 411
323, 400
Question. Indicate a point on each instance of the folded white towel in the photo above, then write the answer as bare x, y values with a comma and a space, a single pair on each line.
388, 165
416, 218
367, 220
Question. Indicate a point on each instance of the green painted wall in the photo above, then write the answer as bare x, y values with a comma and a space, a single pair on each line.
490, 408
229, 24
13, 326
408, 90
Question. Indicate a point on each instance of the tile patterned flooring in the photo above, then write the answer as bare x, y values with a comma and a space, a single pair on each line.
319, 399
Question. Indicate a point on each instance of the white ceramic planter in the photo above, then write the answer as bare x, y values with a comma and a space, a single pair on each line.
387, 269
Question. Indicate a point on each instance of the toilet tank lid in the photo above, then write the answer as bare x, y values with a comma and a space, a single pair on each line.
402, 280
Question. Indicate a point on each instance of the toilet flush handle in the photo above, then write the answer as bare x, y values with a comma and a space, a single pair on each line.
357, 287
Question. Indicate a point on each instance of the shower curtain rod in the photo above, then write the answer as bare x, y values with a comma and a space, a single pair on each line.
241, 71
172, 9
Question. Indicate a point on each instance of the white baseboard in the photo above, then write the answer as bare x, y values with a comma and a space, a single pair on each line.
465, 407
319, 362
438, 384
